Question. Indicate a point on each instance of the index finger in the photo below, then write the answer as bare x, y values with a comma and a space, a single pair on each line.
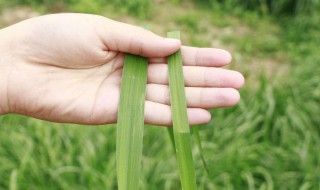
206, 57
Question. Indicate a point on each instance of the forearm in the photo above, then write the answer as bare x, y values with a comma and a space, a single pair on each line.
4, 72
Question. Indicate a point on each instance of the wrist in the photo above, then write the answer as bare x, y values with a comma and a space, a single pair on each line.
4, 72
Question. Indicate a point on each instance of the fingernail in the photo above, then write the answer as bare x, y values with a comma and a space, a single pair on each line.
173, 41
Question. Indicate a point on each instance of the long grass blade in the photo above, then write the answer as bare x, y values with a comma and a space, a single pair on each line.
196, 135
131, 121
181, 126
171, 135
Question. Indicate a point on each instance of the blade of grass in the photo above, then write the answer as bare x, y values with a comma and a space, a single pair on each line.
181, 126
198, 142
171, 135
131, 121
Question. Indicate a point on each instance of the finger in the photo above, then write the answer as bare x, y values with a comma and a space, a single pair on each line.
209, 57
198, 76
160, 114
194, 56
206, 98
132, 39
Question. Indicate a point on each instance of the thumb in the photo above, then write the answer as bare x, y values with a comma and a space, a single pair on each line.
136, 40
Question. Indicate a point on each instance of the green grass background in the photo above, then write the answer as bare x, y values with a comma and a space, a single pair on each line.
271, 140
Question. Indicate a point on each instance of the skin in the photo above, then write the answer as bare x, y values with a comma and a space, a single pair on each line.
68, 67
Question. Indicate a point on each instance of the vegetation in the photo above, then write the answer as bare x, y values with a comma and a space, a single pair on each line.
131, 121
271, 140
181, 127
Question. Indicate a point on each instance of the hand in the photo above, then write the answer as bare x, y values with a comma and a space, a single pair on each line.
68, 67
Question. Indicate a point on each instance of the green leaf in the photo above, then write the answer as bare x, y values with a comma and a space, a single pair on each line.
198, 142
171, 135
181, 126
131, 121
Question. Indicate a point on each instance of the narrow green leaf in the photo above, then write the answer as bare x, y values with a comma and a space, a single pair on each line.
181, 126
198, 142
171, 135
131, 121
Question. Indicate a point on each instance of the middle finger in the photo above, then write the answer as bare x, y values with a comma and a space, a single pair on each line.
195, 76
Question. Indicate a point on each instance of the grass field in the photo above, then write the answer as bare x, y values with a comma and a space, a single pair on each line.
271, 140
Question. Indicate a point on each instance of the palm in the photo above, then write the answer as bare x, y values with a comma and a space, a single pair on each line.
70, 71
86, 95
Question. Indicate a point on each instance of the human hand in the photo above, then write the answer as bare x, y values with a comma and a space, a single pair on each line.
68, 67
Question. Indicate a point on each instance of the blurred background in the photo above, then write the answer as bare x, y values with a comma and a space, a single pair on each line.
271, 140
